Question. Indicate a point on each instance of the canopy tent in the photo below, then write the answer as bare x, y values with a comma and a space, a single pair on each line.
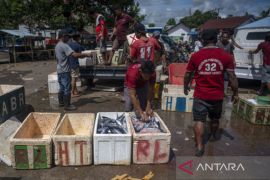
19, 33
262, 23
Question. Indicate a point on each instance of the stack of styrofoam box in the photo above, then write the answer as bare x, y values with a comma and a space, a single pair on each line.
117, 57
151, 148
53, 85
12, 100
73, 139
112, 148
31, 144
174, 99
89, 61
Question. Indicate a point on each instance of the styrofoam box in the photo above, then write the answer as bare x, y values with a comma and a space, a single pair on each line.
174, 99
89, 61
31, 144
242, 56
151, 148
73, 139
112, 148
53, 85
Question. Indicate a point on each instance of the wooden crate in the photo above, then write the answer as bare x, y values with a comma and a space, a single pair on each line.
73, 139
248, 109
31, 145
151, 148
12, 101
174, 99
112, 148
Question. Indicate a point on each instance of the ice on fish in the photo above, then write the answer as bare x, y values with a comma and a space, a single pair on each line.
107, 125
151, 126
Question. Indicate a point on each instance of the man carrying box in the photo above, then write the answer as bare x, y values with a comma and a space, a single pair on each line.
209, 65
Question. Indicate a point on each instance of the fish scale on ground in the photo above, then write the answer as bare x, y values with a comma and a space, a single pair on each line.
109, 125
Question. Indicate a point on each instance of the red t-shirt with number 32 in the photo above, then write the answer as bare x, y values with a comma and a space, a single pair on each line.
209, 65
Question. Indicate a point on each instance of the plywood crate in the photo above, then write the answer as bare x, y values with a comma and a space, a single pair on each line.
112, 148
248, 109
73, 139
151, 148
53, 84
31, 145
12, 100
174, 99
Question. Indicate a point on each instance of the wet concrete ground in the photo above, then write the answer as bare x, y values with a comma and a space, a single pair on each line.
248, 139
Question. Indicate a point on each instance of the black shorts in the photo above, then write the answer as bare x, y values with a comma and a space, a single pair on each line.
202, 108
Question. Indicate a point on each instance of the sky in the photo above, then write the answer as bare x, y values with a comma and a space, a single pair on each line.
159, 11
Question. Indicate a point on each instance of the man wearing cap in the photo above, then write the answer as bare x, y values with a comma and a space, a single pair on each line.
120, 30
209, 65
143, 49
74, 62
139, 86
62, 53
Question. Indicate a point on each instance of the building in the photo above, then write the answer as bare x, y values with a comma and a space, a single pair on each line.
179, 32
226, 24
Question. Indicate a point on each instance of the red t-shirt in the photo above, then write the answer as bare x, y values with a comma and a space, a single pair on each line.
265, 47
100, 21
144, 49
134, 78
122, 26
209, 65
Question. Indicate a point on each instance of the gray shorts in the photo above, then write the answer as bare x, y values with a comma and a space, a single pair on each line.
103, 46
141, 95
265, 74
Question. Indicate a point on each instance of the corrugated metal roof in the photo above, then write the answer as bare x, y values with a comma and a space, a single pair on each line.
20, 33
227, 23
262, 23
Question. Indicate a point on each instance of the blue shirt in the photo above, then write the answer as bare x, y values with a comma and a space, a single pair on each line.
76, 47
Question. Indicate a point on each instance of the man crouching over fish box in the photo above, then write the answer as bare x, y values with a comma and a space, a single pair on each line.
139, 88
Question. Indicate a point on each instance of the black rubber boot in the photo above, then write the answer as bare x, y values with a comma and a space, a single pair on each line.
68, 106
61, 99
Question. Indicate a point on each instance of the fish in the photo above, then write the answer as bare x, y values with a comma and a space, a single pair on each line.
107, 125
151, 126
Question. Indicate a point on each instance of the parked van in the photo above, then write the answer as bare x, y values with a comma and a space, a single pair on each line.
249, 36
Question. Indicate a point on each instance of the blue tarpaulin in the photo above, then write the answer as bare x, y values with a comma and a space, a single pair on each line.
262, 23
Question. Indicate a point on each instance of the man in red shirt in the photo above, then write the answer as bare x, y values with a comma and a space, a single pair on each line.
101, 33
139, 86
144, 48
265, 47
120, 30
209, 65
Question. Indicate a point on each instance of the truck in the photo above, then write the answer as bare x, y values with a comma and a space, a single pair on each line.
248, 37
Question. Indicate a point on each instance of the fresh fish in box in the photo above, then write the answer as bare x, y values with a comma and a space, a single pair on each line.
151, 126
108, 125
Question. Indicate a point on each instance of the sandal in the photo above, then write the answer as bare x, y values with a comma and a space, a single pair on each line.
199, 153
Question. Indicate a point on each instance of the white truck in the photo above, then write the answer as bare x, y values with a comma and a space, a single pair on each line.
249, 36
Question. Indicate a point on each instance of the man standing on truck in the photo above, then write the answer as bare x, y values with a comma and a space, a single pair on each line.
74, 44
62, 53
120, 30
209, 65
265, 47
101, 33
139, 86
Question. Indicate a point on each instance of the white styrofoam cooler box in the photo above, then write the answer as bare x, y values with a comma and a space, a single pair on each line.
151, 148
89, 61
174, 99
242, 56
112, 148
53, 85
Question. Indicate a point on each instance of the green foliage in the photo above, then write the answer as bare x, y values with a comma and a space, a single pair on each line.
151, 25
265, 13
54, 14
171, 22
198, 18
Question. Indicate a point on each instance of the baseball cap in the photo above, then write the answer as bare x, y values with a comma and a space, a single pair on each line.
147, 67
139, 28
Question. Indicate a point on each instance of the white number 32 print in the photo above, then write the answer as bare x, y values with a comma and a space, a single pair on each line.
210, 67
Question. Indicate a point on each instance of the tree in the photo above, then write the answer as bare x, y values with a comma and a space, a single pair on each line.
265, 13
40, 14
151, 25
198, 18
171, 22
